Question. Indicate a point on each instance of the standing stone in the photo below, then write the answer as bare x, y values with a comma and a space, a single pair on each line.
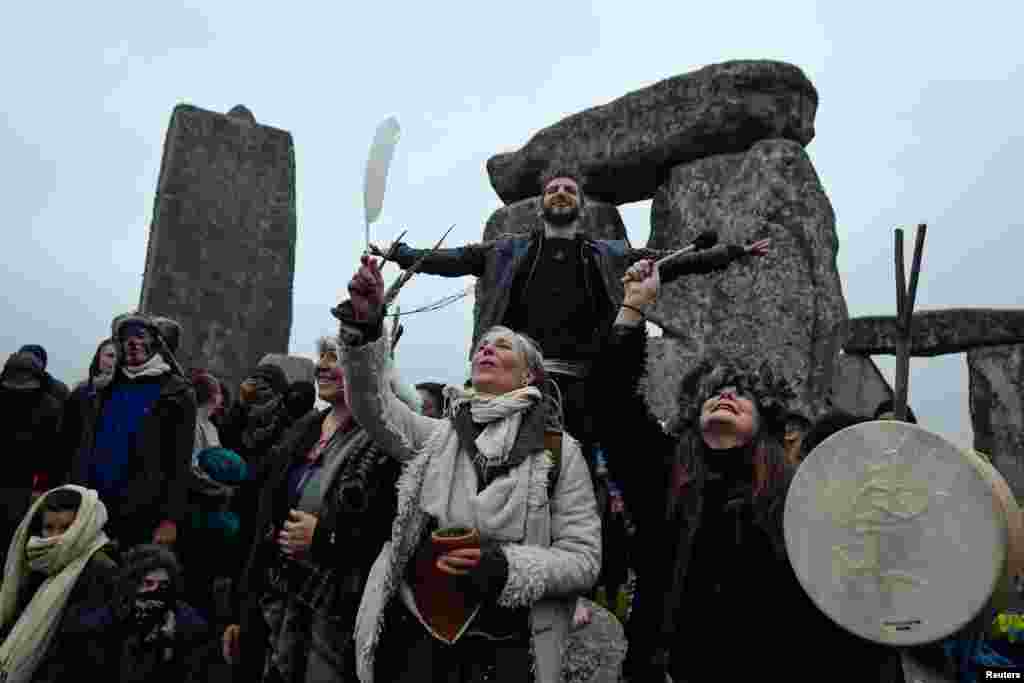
997, 408
786, 307
595, 652
628, 146
859, 387
221, 253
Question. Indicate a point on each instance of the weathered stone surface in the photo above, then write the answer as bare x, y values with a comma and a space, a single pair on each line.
628, 146
786, 307
997, 408
858, 386
952, 330
594, 653
600, 221
221, 252
296, 368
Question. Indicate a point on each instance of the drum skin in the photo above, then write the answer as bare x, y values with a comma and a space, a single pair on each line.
896, 534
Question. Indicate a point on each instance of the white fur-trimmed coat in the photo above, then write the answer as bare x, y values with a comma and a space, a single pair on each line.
558, 558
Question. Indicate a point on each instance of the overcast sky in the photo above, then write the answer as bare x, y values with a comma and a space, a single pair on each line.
919, 121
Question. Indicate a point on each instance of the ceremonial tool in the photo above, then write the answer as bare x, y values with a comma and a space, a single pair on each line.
377, 164
441, 604
393, 290
705, 240
896, 534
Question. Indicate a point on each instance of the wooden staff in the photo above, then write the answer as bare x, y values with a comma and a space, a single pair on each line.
905, 316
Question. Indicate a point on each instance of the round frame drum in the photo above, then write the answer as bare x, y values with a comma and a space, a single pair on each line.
896, 534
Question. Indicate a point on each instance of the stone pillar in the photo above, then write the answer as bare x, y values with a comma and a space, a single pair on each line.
997, 408
858, 386
221, 253
786, 307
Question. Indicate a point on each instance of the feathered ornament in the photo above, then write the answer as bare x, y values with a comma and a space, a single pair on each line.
382, 151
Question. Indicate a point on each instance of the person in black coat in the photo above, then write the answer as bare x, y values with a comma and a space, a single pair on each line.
717, 595
29, 438
144, 634
325, 510
137, 436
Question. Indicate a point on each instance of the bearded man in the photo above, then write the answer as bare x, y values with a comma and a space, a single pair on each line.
137, 439
559, 286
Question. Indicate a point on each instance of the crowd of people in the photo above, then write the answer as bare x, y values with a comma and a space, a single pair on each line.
160, 526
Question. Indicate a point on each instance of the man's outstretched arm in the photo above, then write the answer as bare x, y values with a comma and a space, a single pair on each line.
468, 260
704, 261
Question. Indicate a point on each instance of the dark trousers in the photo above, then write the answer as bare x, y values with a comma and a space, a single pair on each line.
14, 505
409, 654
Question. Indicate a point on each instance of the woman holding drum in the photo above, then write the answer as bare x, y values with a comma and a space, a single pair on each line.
718, 596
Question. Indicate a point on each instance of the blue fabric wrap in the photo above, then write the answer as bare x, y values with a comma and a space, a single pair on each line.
225, 467
108, 469
968, 652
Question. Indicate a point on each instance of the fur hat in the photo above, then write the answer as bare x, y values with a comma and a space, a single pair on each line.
170, 330
139, 561
771, 392
136, 318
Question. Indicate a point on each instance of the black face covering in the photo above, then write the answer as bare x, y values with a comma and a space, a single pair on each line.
150, 609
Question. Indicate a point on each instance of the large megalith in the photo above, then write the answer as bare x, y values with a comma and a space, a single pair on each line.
997, 408
221, 253
628, 146
786, 307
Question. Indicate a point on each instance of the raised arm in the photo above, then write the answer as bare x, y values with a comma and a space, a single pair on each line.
468, 260
393, 425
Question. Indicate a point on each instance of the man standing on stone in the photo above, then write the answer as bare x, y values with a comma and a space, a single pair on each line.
559, 286
562, 289
137, 439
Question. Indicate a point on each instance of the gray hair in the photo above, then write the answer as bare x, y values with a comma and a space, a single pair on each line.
534, 358
526, 346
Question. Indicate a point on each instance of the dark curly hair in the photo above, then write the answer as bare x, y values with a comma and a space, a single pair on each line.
139, 561
563, 169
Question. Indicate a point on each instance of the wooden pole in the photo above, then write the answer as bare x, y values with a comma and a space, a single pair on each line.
904, 317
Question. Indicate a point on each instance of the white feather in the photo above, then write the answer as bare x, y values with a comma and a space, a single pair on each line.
381, 152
